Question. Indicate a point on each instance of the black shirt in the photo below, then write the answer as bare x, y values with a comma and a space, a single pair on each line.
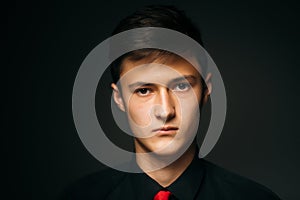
201, 180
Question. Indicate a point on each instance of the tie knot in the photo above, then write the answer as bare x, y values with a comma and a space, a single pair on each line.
162, 195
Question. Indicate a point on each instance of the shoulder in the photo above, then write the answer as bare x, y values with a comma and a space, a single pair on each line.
234, 186
95, 185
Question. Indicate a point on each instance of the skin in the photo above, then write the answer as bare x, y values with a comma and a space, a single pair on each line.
161, 100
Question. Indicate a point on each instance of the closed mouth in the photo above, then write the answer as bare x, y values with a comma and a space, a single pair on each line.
166, 129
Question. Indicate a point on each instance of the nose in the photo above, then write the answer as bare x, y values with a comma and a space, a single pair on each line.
166, 110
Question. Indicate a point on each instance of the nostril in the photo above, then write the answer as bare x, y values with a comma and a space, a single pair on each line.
164, 113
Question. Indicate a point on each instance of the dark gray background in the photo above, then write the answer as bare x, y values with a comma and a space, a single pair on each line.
255, 44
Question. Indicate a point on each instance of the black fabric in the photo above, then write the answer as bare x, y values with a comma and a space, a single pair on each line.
201, 180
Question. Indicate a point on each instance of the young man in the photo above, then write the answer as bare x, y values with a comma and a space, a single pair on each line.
161, 94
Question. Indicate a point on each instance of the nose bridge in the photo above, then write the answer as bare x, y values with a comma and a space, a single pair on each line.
165, 98
166, 101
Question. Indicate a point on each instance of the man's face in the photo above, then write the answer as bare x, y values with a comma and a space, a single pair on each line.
161, 102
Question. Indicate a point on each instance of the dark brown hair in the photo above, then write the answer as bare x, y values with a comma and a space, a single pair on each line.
153, 16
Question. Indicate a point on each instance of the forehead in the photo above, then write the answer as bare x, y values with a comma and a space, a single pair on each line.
159, 69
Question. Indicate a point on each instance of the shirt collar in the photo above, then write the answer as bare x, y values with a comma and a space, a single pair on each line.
188, 184
144, 187
185, 187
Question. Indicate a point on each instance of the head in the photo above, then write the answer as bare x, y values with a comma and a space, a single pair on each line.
159, 91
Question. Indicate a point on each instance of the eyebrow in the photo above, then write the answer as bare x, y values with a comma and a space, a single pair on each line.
182, 78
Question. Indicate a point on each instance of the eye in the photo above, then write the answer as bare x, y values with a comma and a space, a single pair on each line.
181, 87
143, 91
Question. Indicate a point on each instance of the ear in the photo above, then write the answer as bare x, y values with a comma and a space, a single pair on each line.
118, 97
208, 88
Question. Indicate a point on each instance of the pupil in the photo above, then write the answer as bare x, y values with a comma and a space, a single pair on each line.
181, 86
143, 91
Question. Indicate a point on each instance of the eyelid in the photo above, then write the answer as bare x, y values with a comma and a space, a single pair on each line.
174, 85
138, 89
143, 87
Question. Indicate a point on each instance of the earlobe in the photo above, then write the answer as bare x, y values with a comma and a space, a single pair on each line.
117, 97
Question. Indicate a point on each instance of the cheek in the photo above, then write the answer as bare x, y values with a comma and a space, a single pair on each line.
189, 110
198, 93
138, 113
190, 113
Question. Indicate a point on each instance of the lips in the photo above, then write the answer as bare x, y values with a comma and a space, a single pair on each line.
166, 130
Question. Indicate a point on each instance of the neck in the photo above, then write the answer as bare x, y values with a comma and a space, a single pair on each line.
167, 175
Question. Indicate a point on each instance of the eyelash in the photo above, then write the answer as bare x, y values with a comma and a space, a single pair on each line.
149, 90
186, 85
138, 91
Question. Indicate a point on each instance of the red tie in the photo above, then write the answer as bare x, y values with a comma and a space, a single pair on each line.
162, 195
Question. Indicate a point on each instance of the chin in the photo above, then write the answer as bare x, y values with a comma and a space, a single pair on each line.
170, 149
163, 146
